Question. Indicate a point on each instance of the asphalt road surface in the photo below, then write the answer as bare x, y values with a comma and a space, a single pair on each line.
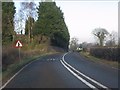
69, 70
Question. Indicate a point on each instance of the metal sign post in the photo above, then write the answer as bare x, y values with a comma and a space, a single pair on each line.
19, 45
19, 55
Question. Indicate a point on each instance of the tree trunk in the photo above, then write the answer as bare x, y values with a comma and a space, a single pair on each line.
101, 42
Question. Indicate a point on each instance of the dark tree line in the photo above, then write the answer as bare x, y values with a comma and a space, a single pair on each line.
8, 11
51, 23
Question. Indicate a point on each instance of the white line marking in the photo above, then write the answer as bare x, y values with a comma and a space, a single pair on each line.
84, 81
16, 74
83, 74
115, 68
53, 59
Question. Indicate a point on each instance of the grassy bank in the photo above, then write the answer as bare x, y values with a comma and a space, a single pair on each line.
13, 68
11, 62
109, 63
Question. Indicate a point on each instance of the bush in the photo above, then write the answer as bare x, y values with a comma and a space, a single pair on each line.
9, 56
109, 53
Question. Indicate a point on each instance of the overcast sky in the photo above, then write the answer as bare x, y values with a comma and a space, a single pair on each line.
82, 17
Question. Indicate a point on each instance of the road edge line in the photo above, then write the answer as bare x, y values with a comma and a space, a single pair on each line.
99, 84
16, 74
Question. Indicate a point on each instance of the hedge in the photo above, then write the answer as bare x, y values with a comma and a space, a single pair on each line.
108, 53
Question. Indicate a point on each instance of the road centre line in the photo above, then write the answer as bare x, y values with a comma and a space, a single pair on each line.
83, 74
84, 81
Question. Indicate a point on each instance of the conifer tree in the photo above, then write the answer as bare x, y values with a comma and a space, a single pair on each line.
51, 23
8, 11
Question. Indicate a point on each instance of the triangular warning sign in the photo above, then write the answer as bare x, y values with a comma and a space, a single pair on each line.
18, 44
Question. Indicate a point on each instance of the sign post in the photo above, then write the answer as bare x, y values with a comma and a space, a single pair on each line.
19, 55
18, 45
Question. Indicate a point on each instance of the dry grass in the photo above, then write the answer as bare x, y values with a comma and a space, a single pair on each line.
13, 68
109, 63
10, 58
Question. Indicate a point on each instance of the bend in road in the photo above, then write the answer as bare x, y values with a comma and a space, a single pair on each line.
48, 72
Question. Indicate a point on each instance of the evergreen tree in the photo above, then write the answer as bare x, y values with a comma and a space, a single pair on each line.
26, 27
51, 23
8, 11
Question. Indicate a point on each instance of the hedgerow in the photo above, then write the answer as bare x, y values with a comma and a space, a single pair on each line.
109, 53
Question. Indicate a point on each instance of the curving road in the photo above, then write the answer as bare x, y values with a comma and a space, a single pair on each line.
69, 70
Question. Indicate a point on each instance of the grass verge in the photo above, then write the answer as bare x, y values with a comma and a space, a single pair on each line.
109, 63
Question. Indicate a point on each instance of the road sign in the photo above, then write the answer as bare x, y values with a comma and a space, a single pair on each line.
18, 44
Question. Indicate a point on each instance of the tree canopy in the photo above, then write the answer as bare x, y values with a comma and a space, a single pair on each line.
101, 34
74, 44
8, 11
28, 25
51, 23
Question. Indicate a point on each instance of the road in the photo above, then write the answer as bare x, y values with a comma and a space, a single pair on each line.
70, 70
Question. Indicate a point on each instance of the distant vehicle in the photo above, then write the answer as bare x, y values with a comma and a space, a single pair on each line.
79, 49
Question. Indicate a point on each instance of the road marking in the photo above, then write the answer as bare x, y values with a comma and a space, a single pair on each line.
84, 81
53, 59
50, 59
16, 74
83, 74
115, 68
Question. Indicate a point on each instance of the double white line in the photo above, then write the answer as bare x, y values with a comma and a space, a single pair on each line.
76, 73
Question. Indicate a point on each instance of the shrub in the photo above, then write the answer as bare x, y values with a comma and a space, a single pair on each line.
9, 56
109, 53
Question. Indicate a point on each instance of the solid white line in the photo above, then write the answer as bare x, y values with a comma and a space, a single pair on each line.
16, 74
84, 81
83, 74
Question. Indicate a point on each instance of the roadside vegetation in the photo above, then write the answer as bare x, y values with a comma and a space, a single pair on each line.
104, 51
45, 35
46, 32
14, 64
108, 63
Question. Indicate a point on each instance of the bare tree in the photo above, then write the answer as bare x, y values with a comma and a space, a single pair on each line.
101, 34
74, 43
30, 10
18, 22
112, 39
119, 41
